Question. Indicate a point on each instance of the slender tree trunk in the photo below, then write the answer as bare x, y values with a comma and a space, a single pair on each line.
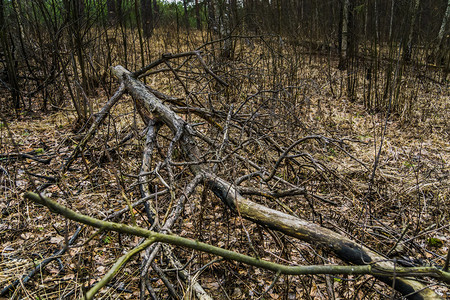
75, 19
11, 70
147, 17
352, 51
212, 24
391, 20
441, 33
233, 13
155, 13
225, 27
344, 34
366, 17
249, 8
186, 17
112, 12
139, 24
197, 15
407, 48
376, 17
279, 17
119, 11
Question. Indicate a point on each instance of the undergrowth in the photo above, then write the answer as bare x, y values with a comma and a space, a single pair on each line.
275, 91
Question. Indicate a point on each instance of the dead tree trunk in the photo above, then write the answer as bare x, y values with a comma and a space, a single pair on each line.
344, 248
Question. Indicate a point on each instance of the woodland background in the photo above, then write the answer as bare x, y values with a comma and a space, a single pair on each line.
335, 112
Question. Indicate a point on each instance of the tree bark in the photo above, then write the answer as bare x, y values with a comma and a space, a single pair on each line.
407, 48
444, 24
391, 20
147, 17
341, 246
344, 35
197, 15
11, 70
441, 33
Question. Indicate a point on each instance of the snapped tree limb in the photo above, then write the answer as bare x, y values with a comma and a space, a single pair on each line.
344, 248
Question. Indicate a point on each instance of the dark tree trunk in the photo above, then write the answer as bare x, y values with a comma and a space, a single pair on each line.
249, 15
407, 46
186, 17
155, 13
197, 15
8, 52
233, 14
212, 24
75, 19
343, 34
147, 17
112, 10
440, 49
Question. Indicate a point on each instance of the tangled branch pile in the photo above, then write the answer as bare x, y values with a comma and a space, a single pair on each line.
239, 134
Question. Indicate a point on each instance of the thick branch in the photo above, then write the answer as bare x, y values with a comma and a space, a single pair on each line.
343, 247
377, 269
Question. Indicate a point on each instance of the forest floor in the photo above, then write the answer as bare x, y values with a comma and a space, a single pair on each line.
408, 200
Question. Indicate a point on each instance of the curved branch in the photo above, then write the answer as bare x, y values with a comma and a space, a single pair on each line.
285, 153
376, 268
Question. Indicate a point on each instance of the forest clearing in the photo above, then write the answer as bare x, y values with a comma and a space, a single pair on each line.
229, 160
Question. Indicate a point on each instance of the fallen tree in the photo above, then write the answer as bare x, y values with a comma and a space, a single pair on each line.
343, 247
157, 114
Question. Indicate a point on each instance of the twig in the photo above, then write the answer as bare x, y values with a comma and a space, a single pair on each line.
140, 201
275, 279
166, 282
39, 267
116, 267
285, 153
100, 116
399, 239
208, 70
25, 155
165, 57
